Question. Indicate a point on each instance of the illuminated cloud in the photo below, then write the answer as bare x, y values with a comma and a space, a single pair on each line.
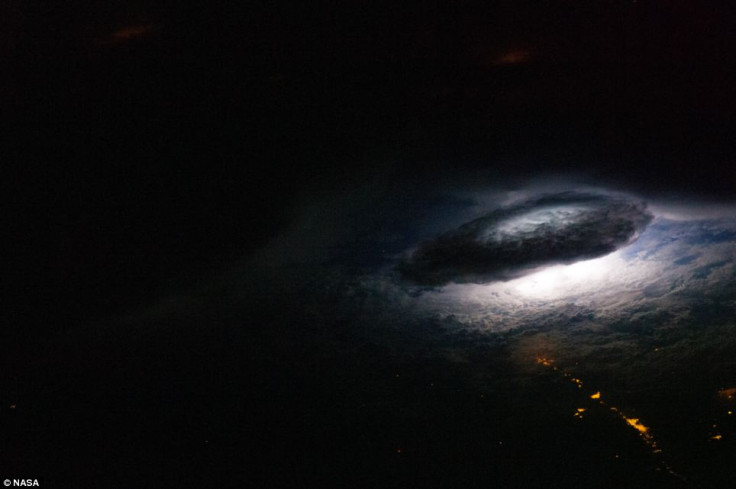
512, 241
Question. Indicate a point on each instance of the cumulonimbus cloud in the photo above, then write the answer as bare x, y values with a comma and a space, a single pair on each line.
511, 241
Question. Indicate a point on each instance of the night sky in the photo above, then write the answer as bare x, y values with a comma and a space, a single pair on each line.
372, 244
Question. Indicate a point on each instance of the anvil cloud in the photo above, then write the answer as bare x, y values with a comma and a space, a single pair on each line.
511, 241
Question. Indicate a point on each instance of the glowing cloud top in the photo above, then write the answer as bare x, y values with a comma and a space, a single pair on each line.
513, 241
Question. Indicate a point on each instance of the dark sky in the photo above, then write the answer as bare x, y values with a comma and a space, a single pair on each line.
148, 145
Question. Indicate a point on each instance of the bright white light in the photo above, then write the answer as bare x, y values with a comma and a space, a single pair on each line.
602, 283
564, 280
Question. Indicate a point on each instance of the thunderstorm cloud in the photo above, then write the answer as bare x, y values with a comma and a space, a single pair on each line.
511, 241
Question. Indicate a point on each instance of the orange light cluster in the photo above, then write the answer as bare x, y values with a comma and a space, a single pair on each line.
545, 361
643, 430
637, 425
727, 393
